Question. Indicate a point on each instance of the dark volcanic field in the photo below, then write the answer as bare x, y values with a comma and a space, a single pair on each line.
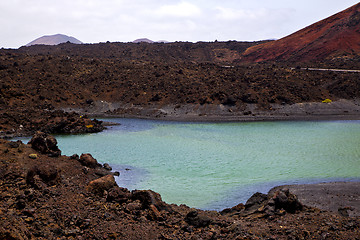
44, 78
47, 196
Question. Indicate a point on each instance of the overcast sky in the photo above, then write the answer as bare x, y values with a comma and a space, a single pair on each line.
92, 21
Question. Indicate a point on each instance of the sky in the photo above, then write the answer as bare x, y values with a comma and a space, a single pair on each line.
93, 21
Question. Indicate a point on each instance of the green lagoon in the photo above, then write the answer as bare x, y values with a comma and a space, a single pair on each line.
218, 165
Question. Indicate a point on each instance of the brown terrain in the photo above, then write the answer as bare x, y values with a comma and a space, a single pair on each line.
45, 195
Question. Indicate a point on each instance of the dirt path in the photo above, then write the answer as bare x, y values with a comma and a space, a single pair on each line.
331, 70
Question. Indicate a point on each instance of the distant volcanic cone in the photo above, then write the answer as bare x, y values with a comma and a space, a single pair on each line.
53, 40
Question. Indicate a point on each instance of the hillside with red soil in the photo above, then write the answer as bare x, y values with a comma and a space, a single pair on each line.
335, 37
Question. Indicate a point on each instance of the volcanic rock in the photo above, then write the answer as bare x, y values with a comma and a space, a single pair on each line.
118, 194
107, 166
48, 174
148, 197
283, 199
45, 144
102, 184
86, 159
197, 220
13, 144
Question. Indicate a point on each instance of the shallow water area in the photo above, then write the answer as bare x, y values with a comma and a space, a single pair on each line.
218, 165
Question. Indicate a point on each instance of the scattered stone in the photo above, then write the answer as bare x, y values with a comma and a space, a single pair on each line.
75, 157
343, 211
16, 144
107, 166
197, 219
46, 173
154, 213
133, 206
86, 159
33, 156
235, 209
285, 200
102, 184
255, 202
20, 204
85, 170
118, 194
45, 144
102, 172
148, 197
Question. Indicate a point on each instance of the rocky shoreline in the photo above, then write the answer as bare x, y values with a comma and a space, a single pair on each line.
26, 121
309, 111
46, 195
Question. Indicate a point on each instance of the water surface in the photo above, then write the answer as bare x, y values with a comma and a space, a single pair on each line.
218, 165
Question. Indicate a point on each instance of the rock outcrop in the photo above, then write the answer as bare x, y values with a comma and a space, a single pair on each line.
267, 205
86, 159
100, 185
45, 144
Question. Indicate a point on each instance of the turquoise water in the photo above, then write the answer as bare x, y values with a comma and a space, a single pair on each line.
218, 165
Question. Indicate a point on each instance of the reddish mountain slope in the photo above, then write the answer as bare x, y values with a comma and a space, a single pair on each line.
338, 35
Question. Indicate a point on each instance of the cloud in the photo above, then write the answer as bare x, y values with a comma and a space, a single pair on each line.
21, 21
237, 14
182, 9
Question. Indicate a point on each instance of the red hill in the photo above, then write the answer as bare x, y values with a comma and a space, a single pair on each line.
336, 36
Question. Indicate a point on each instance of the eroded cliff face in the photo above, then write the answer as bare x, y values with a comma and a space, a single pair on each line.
47, 196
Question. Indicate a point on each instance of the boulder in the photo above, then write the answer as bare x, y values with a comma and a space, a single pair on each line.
197, 219
154, 213
148, 198
45, 144
33, 156
16, 144
102, 172
230, 211
107, 166
86, 159
255, 202
47, 174
118, 194
100, 185
287, 201
75, 157
267, 205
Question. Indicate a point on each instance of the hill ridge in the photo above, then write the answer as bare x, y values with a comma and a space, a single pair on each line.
334, 36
